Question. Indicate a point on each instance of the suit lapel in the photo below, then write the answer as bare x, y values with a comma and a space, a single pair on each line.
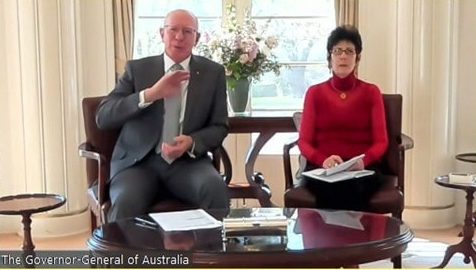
157, 72
193, 93
160, 66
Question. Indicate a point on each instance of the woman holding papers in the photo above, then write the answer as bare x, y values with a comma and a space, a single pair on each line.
343, 117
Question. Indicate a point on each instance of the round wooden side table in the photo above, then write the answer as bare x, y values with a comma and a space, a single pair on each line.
26, 205
466, 246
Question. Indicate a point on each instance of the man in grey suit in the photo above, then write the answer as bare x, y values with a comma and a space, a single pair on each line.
144, 159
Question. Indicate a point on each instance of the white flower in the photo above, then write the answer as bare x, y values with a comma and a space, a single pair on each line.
243, 52
244, 58
271, 42
266, 50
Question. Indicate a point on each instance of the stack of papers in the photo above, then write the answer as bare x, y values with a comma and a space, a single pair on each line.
462, 178
247, 222
260, 221
340, 172
185, 220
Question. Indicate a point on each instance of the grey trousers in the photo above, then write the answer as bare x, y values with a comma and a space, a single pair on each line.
195, 181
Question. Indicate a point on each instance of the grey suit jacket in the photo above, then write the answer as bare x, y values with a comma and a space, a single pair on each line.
205, 119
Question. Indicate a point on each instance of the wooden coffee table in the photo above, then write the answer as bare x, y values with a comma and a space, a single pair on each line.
314, 238
26, 205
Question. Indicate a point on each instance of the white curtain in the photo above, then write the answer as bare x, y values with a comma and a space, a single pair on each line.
347, 12
123, 33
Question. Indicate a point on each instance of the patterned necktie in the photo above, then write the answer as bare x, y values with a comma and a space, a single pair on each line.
171, 127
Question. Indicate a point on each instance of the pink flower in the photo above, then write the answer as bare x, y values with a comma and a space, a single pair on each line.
253, 52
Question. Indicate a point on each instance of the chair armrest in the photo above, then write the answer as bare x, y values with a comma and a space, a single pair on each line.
288, 176
86, 150
220, 154
407, 142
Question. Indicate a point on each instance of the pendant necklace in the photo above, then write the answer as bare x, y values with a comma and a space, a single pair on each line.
342, 94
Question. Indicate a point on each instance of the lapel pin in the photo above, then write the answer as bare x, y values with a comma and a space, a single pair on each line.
198, 72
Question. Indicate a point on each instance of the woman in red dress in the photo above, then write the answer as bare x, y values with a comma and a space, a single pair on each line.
343, 117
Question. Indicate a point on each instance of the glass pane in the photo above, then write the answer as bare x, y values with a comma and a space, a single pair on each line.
286, 91
147, 40
293, 8
201, 8
299, 40
302, 28
150, 17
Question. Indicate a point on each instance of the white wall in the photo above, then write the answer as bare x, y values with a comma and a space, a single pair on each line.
4, 151
378, 27
465, 140
415, 48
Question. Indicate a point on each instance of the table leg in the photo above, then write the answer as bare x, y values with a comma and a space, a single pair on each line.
466, 246
460, 234
27, 241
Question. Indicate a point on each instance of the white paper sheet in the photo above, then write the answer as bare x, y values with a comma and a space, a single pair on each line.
185, 220
340, 176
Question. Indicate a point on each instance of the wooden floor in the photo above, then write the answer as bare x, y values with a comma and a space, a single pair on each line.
73, 242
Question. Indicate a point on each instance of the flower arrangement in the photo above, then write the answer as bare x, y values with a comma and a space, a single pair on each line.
244, 53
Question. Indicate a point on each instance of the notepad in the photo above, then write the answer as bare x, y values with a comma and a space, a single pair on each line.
340, 172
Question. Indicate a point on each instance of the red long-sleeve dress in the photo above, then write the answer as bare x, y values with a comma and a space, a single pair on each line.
345, 127
344, 117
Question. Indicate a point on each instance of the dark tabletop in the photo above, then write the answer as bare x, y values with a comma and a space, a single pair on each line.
467, 157
29, 203
313, 238
445, 182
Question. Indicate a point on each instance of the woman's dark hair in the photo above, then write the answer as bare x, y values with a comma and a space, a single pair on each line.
345, 32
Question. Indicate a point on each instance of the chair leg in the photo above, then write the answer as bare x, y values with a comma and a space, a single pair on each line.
264, 198
93, 221
397, 261
397, 215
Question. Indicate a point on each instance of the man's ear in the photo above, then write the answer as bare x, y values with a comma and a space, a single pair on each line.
357, 59
197, 38
161, 32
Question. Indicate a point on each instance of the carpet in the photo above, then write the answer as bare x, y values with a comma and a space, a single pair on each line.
422, 253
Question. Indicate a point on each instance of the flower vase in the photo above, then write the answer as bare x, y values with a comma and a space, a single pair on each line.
238, 94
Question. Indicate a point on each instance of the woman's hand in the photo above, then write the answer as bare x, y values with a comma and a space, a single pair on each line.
332, 161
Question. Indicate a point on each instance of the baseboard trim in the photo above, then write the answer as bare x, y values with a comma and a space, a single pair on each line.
44, 226
430, 218
10, 224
